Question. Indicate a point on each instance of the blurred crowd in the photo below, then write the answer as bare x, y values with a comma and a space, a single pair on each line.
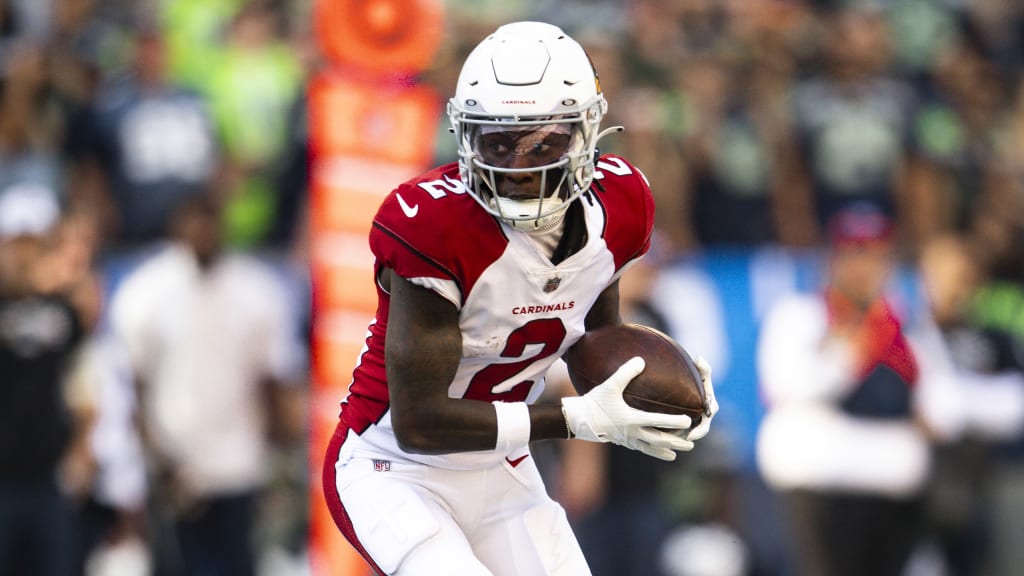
153, 180
153, 298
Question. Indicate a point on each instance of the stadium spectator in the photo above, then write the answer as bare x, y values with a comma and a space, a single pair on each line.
45, 460
852, 124
213, 347
955, 144
733, 146
251, 86
998, 309
840, 440
149, 143
986, 370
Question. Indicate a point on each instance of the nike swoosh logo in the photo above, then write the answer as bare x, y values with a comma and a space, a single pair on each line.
410, 211
517, 461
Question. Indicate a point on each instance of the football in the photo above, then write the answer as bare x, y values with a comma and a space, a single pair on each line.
669, 384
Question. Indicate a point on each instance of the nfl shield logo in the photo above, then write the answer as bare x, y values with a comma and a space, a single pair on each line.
552, 284
382, 465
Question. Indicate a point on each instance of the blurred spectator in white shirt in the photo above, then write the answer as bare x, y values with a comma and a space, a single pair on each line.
211, 338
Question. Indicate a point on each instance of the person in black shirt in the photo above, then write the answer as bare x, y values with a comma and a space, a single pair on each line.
41, 325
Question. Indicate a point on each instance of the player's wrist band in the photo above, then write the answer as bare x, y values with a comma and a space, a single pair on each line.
513, 426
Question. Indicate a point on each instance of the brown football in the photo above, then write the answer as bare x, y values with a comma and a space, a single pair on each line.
669, 384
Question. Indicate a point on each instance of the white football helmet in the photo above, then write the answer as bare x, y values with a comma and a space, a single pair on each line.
528, 101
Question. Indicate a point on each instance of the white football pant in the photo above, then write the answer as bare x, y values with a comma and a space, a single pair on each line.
413, 520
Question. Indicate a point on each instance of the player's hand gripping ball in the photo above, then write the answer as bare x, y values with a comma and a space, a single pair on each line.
671, 383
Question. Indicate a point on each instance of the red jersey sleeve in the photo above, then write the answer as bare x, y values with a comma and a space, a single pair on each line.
430, 227
625, 195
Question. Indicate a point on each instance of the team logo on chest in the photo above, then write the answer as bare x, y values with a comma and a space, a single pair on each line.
552, 284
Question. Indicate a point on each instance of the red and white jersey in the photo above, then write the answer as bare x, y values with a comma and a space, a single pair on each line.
518, 312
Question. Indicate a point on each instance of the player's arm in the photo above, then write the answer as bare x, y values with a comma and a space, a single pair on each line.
605, 311
422, 352
423, 349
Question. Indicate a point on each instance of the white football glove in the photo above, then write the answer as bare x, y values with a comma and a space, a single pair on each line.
710, 406
602, 415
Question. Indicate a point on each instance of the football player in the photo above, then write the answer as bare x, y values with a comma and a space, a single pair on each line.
488, 270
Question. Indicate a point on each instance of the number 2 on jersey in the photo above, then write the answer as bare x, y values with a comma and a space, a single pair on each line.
549, 332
